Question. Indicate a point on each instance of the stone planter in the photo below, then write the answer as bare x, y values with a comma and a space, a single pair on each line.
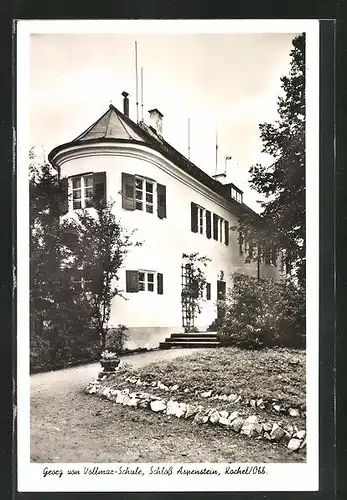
110, 365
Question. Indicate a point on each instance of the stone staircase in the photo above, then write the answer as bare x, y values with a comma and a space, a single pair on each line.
201, 339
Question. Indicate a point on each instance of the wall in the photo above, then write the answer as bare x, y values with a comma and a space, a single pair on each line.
149, 316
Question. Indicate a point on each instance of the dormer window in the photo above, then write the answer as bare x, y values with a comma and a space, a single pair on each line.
235, 194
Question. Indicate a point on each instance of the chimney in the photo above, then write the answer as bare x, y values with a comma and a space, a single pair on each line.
125, 103
156, 120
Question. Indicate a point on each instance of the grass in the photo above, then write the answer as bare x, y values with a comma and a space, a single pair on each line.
269, 374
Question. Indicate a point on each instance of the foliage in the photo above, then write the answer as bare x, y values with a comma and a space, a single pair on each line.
262, 313
116, 338
97, 245
193, 291
283, 181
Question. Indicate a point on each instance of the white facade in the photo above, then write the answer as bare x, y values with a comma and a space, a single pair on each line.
151, 316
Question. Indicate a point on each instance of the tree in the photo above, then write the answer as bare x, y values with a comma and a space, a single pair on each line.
283, 181
97, 244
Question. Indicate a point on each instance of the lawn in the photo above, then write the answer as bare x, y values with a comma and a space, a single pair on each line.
269, 374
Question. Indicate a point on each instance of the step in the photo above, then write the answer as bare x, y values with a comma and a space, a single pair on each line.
168, 345
194, 335
191, 338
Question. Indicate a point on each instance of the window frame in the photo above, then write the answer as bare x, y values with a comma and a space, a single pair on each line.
83, 187
144, 192
146, 282
201, 217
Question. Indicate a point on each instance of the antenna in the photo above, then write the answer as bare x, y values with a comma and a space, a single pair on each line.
137, 85
216, 150
188, 138
141, 94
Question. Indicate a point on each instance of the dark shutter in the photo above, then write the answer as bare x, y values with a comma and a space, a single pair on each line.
208, 224
128, 191
215, 227
194, 217
161, 191
63, 196
208, 291
226, 232
132, 281
160, 284
99, 189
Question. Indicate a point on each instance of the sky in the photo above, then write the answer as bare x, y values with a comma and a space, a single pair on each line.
224, 82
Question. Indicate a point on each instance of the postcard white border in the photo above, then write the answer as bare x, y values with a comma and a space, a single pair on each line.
279, 477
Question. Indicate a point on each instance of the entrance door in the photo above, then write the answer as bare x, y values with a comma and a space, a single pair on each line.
221, 295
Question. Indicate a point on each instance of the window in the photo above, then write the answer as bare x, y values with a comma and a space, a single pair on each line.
236, 195
146, 281
82, 191
144, 195
220, 229
201, 220
140, 193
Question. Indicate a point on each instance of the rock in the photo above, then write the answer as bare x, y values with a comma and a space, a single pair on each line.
276, 433
126, 399
252, 403
267, 427
158, 405
174, 387
232, 397
267, 436
113, 394
223, 421
276, 408
237, 424
191, 410
260, 403
233, 415
303, 444
206, 394
294, 444
186, 390
144, 403
120, 398
289, 429
253, 419
224, 397
294, 412
133, 402
153, 384
300, 434
251, 429
201, 418
138, 382
224, 414
286, 438
171, 407
214, 417
237, 400
181, 410
91, 389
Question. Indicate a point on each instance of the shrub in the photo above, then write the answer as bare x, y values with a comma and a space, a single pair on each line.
262, 313
116, 338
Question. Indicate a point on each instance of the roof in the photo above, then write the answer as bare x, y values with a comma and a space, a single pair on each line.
116, 127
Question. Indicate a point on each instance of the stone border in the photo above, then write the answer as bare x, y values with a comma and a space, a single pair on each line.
263, 404
291, 437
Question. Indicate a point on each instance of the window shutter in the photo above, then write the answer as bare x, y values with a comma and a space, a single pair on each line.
99, 189
161, 192
226, 232
215, 227
208, 224
63, 196
128, 191
194, 217
208, 291
132, 281
160, 284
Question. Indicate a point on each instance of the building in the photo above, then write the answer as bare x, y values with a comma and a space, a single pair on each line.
175, 207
